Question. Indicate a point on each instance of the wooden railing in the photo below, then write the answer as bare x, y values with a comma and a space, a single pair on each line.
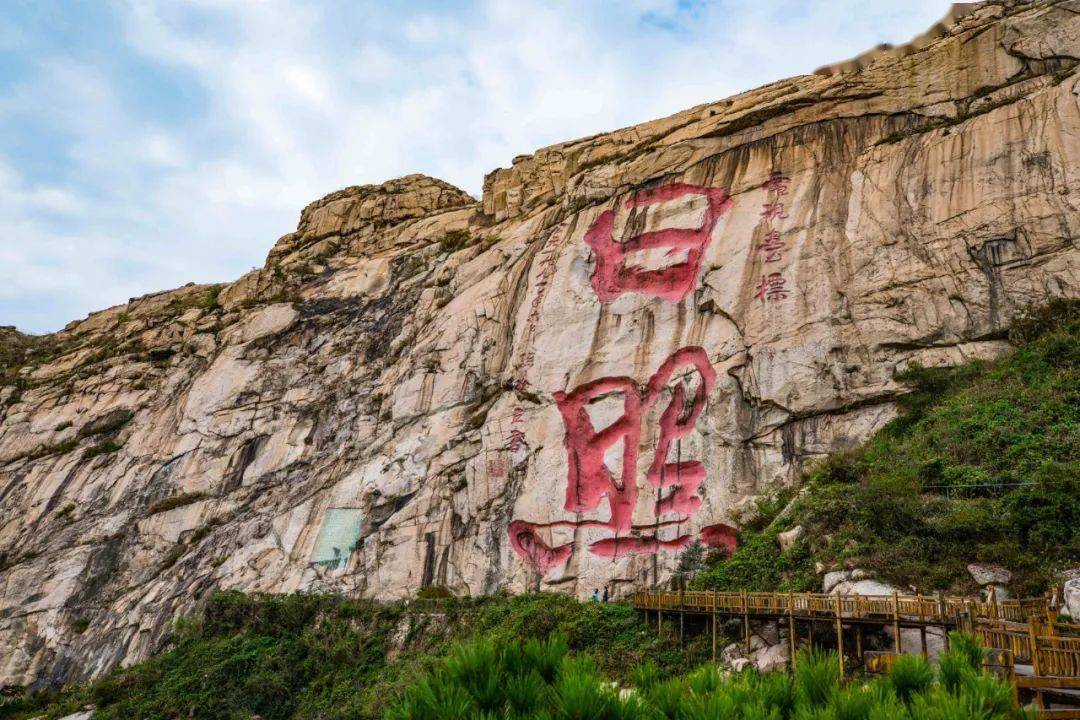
1025, 628
1051, 648
945, 610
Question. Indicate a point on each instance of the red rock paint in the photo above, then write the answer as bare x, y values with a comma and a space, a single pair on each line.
515, 441
528, 545
618, 547
771, 246
720, 536
771, 287
588, 478
613, 276
590, 481
496, 467
685, 477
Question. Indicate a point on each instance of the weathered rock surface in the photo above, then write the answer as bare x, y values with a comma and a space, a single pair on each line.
1071, 598
989, 574
789, 538
409, 392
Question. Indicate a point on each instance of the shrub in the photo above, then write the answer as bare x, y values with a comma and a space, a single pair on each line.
434, 592
817, 676
302, 657
171, 503
910, 675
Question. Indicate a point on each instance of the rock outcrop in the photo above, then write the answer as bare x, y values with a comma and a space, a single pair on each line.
557, 386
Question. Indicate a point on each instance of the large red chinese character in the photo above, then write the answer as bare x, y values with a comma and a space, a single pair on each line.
589, 480
615, 274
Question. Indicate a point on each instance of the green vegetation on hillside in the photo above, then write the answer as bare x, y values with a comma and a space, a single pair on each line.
539, 656
306, 656
982, 465
538, 679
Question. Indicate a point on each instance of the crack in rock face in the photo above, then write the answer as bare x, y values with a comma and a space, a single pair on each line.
610, 355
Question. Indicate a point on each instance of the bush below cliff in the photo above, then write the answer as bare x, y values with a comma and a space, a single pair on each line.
302, 656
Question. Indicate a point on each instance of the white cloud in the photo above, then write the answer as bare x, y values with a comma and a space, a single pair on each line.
299, 99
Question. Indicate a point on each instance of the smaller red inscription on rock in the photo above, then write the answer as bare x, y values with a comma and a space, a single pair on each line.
517, 438
496, 467
777, 184
771, 288
772, 247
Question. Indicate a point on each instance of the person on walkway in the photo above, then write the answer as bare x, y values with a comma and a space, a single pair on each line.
596, 596
605, 593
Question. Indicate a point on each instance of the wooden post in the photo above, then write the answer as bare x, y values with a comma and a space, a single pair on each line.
896, 621
922, 639
1033, 643
682, 625
839, 633
746, 622
858, 645
992, 601
944, 621
660, 623
791, 627
714, 632
810, 638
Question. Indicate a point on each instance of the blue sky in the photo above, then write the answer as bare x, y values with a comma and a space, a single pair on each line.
145, 144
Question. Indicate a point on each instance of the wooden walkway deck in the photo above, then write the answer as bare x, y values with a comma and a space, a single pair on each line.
1025, 631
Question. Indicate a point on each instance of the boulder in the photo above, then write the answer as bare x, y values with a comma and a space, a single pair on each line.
731, 653
789, 538
989, 574
832, 579
864, 587
912, 642
774, 657
769, 632
1071, 598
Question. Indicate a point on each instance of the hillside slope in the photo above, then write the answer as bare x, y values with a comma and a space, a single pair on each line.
410, 392
981, 467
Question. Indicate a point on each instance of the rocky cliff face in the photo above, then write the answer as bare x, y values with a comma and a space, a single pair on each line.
557, 386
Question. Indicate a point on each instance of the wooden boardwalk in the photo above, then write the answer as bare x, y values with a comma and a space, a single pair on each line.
1025, 631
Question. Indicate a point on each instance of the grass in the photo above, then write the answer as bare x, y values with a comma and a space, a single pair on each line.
106, 447
453, 241
542, 679
982, 465
18, 350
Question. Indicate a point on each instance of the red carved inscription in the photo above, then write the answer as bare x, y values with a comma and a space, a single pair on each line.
616, 273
